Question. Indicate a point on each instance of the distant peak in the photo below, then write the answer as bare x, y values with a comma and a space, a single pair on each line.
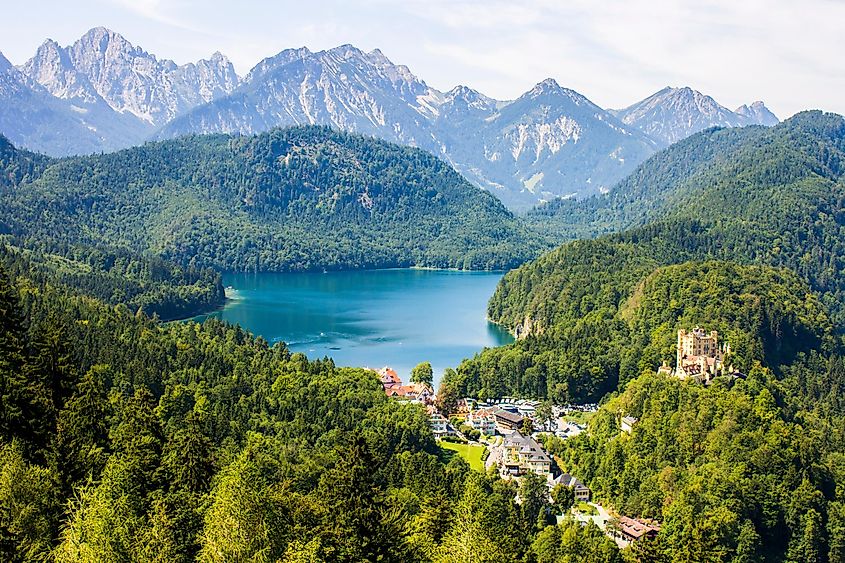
4, 63
100, 31
461, 91
549, 84
346, 50
102, 37
377, 55
49, 44
220, 58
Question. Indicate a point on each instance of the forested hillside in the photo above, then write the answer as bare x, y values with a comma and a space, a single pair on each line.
750, 470
780, 204
297, 199
126, 440
686, 179
144, 284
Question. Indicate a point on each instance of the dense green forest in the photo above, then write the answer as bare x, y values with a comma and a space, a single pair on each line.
305, 198
122, 439
144, 284
678, 181
741, 470
743, 234
782, 204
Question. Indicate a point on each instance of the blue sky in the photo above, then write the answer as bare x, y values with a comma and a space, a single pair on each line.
785, 52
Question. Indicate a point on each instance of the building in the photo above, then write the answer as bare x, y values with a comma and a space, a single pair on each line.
630, 530
394, 388
389, 379
699, 354
507, 421
439, 424
582, 492
523, 454
483, 420
628, 423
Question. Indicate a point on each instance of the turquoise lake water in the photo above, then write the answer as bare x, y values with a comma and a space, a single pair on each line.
395, 318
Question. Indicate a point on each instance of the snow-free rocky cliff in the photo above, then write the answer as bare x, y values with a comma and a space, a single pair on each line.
103, 93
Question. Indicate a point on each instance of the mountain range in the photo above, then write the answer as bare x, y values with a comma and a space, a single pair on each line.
103, 93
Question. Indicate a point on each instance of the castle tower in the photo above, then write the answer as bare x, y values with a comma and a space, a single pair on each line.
699, 353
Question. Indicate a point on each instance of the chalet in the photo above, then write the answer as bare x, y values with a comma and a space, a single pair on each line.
389, 379
393, 387
507, 421
630, 530
582, 492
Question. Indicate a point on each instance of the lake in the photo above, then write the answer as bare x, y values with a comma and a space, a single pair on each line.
374, 318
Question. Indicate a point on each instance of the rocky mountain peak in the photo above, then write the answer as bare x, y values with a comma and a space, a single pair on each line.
757, 113
5, 65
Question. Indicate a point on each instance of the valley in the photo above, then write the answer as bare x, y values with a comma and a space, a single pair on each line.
322, 311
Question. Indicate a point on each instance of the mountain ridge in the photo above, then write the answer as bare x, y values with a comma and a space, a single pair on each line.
550, 142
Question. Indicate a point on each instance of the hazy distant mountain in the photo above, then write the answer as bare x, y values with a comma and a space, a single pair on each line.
102, 93
550, 142
342, 87
102, 65
31, 117
757, 113
673, 114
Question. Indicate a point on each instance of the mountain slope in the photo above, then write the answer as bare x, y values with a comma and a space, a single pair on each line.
31, 117
342, 87
297, 199
673, 114
102, 66
550, 142
777, 200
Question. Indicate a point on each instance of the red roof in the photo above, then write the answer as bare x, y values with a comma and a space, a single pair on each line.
636, 528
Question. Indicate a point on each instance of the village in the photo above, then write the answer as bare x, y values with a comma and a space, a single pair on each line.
504, 435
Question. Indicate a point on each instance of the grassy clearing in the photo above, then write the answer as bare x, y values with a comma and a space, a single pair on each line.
585, 508
470, 452
578, 417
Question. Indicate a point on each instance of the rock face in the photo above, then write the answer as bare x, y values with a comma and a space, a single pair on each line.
119, 93
550, 142
31, 117
673, 114
343, 87
757, 113
102, 93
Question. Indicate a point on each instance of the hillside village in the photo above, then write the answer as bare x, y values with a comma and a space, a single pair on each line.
510, 430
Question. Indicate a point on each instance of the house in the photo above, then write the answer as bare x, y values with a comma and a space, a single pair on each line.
523, 454
628, 423
630, 530
389, 379
507, 421
393, 387
439, 424
582, 492
463, 407
483, 420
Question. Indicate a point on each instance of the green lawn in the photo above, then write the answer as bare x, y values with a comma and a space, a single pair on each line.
469, 452
578, 417
585, 508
